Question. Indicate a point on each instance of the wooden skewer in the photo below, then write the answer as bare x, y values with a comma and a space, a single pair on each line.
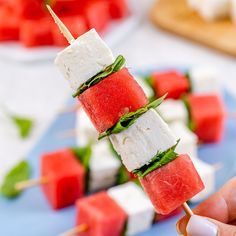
79, 229
218, 166
71, 39
70, 109
67, 34
30, 183
187, 209
67, 134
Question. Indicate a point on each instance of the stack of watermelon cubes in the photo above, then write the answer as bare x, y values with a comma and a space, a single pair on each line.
28, 21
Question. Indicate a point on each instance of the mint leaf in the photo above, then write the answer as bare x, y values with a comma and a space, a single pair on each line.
123, 176
187, 75
84, 154
20, 172
117, 65
128, 119
190, 123
159, 160
24, 125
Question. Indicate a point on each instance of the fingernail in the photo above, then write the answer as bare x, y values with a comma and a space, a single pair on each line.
200, 226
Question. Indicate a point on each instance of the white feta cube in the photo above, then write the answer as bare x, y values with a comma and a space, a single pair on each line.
233, 10
212, 10
204, 80
136, 204
147, 89
85, 131
104, 167
188, 140
138, 144
173, 110
84, 58
208, 175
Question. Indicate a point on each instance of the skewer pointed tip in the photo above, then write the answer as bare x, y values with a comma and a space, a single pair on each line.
61, 26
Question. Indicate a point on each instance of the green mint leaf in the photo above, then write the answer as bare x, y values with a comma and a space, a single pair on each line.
190, 123
116, 66
159, 160
84, 154
20, 172
123, 176
128, 119
24, 125
188, 77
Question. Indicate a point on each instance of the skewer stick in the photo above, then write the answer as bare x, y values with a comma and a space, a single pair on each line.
67, 34
187, 209
70, 109
79, 229
30, 183
67, 134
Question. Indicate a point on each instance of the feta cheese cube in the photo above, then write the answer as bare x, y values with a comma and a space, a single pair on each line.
136, 204
84, 58
138, 144
85, 131
173, 110
208, 175
204, 80
188, 140
104, 167
212, 10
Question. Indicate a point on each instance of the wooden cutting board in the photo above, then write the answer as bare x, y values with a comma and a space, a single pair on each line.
176, 17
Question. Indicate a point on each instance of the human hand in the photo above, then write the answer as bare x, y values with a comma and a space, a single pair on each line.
214, 217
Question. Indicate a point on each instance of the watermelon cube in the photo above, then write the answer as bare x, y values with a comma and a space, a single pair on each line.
97, 14
28, 9
118, 9
102, 215
171, 82
173, 184
76, 25
9, 25
36, 32
68, 7
65, 178
112, 98
207, 114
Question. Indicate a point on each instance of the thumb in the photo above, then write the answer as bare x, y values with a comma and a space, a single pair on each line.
202, 226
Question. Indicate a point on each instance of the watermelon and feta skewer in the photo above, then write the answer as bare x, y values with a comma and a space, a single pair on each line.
67, 65
100, 171
198, 80
121, 210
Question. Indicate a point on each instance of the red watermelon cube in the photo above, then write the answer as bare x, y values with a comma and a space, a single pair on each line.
173, 184
207, 115
118, 9
171, 82
76, 25
110, 99
36, 32
28, 9
65, 178
68, 7
9, 25
97, 14
102, 215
